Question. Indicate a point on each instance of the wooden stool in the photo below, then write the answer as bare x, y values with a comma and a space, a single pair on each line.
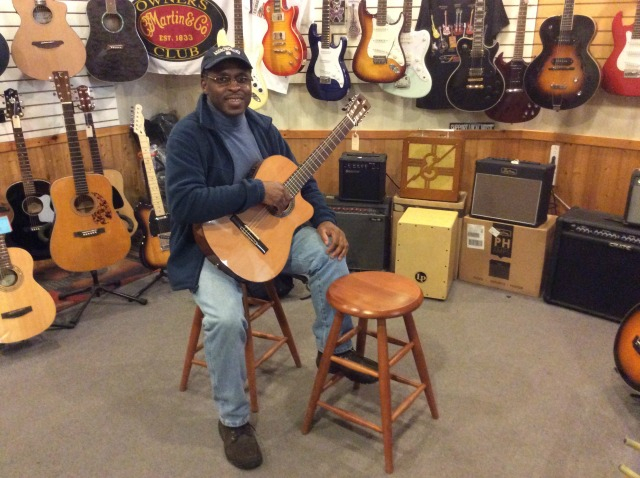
379, 296
253, 308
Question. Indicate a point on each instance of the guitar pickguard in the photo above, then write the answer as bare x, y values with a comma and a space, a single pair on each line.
416, 82
629, 59
102, 213
384, 45
328, 66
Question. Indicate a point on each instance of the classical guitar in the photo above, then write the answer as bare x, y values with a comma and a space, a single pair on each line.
254, 52
379, 57
284, 48
44, 41
476, 84
26, 308
621, 71
87, 234
115, 51
29, 199
154, 249
515, 106
327, 77
416, 82
254, 244
626, 349
564, 75
120, 203
4, 54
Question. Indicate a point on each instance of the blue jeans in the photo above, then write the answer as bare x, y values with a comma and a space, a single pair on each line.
224, 326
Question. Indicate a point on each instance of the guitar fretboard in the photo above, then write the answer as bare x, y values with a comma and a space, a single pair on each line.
566, 24
152, 181
23, 159
5, 260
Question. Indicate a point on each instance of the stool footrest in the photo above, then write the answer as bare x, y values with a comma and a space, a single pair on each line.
354, 366
351, 417
273, 349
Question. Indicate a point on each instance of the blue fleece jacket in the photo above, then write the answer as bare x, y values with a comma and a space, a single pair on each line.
199, 185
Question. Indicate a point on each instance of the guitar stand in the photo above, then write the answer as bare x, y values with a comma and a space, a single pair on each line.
96, 289
158, 276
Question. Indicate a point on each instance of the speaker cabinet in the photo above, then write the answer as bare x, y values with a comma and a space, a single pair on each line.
362, 177
632, 210
512, 191
594, 264
366, 226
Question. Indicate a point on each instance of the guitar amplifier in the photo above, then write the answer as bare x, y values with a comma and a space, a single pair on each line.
367, 227
632, 209
594, 264
512, 191
362, 177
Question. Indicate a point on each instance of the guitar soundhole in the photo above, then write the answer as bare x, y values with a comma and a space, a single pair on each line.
84, 204
8, 278
32, 206
42, 14
112, 22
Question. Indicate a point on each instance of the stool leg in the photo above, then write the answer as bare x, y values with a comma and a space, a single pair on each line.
194, 335
282, 321
249, 356
323, 370
421, 363
384, 382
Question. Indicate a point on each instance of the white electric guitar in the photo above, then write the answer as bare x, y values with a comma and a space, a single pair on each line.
416, 81
255, 51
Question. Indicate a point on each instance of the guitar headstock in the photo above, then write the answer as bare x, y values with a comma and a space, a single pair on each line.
358, 107
137, 121
13, 110
63, 87
85, 101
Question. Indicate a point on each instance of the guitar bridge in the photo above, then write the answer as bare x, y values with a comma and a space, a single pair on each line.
47, 44
89, 232
325, 80
632, 74
248, 233
164, 241
379, 60
14, 314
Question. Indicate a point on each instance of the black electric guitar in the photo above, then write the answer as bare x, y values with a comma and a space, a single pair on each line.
122, 206
30, 200
564, 75
476, 85
626, 348
115, 51
154, 250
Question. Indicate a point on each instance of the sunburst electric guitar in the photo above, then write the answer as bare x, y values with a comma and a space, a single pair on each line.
379, 57
44, 41
30, 199
154, 250
254, 244
26, 308
621, 71
284, 48
87, 234
416, 82
120, 203
259, 91
327, 77
626, 348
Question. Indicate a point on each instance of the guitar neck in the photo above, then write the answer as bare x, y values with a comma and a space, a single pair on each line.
381, 13
23, 159
478, 30
566, 24
237, 24
407, 8
96, 160
635, 33
520, 30
77, 164
152, 180
5, 260
325, 38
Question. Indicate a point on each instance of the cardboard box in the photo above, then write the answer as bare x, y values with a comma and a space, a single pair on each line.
400, 205
427, 249
505, 256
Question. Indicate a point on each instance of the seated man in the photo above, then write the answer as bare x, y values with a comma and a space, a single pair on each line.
209, 154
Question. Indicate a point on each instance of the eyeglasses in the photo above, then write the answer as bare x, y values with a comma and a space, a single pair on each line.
224, 80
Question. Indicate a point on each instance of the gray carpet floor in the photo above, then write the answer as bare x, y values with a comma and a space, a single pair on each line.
524, 389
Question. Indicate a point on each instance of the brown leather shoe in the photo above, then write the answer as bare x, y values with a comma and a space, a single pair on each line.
352, 374
240, 446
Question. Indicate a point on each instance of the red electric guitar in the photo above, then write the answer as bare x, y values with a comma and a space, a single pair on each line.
621, 71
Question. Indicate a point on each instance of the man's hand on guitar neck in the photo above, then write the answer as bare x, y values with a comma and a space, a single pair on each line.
334, 238
276, 196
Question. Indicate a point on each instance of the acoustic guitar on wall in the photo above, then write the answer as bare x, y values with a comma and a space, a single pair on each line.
621, 71
44, 41
284, 48
87, 234
564, 75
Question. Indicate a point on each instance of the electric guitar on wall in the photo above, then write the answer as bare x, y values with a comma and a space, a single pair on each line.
564, 75
621, 71
120, 203
259, 91
29, 199
154, 249
327, 77
284, 48
26, 308
255, 243
626, 349
379, 57
87, 234
416, 81
476, 84
44, 41
515, 105
115, 51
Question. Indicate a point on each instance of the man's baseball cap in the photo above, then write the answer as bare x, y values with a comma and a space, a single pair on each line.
216, 55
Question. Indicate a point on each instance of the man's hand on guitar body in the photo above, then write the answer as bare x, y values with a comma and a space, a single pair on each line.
335, 239
276, 196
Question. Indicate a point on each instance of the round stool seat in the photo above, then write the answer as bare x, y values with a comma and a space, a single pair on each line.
374, 295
